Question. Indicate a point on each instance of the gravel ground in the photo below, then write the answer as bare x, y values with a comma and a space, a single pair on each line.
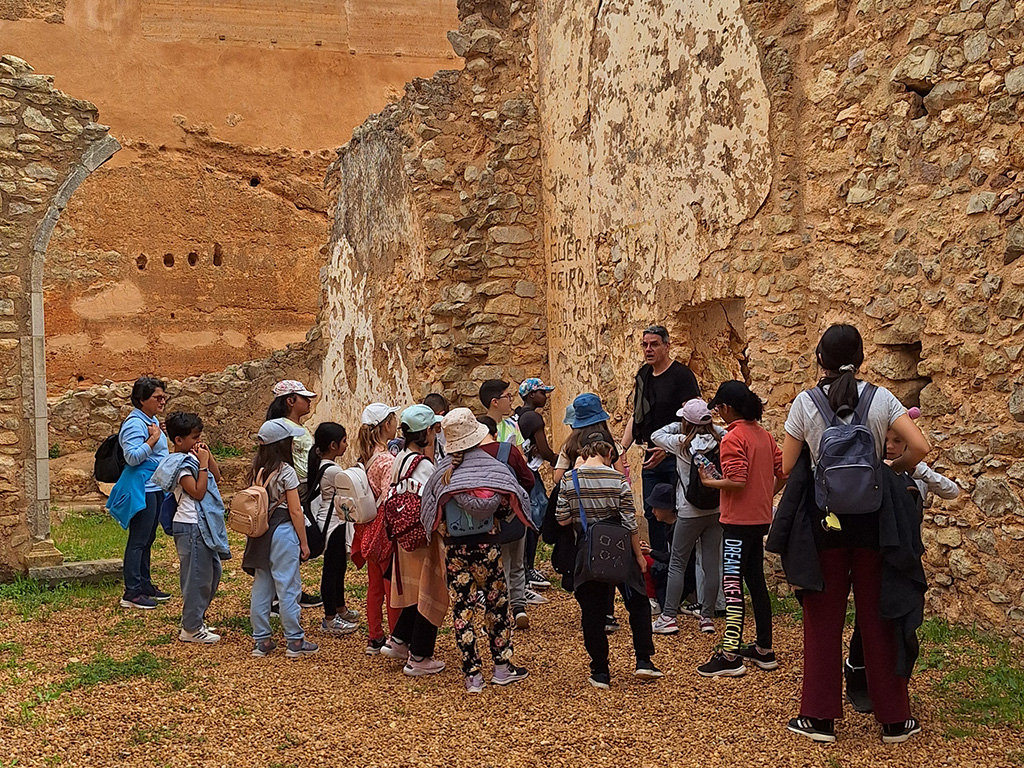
217, 706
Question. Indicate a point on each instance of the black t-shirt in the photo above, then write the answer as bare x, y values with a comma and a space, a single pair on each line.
665, 394
529, 422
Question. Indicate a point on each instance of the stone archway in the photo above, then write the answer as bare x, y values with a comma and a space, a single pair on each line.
49, 144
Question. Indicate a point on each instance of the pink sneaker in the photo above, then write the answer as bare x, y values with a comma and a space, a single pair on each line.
425, 666
395, 649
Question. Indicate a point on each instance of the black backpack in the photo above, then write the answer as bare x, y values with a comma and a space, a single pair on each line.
109, 461
316, 538
698, 494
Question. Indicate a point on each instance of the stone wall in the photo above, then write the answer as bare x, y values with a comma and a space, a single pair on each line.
204, 236
435, 279
746, 172
232, 403
49, 144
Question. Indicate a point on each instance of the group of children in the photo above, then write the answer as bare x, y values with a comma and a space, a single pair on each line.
720, 509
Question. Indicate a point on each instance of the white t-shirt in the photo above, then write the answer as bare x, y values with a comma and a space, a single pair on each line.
188, 508
328, 487
805, 423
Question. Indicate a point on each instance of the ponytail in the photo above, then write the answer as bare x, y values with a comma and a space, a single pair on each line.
326, 434
840, 353
368, 439
456, 458
751, 408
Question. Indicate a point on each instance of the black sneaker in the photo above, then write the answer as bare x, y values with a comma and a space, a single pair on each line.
374, 645
611, 625
719, 665
822, 731
857, 688
764, 660
310, 601
157, 594
693, 609
600, 680
143, 602
897, 733
645, 670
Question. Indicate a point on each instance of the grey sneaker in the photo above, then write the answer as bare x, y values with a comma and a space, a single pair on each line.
263, 648
338, 626
532, 598
395, 649
297, 648
475, 683
506, 674
351, 615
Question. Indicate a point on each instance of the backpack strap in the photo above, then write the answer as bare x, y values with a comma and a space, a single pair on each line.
820, 400
504, 452
579, 498
860, 415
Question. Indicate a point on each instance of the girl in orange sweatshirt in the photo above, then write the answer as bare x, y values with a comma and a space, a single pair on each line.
752, 475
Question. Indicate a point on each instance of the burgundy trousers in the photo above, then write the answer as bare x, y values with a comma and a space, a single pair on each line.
824, 618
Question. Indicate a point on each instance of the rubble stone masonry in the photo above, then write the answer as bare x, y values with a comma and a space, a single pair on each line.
747, 173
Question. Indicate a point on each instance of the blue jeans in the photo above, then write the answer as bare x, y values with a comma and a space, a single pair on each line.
141, 535
662, 473
199, 574
283, 580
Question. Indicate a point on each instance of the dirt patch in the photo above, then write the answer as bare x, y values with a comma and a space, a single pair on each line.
218, 706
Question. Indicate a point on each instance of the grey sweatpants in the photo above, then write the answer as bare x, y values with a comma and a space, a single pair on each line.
199, 574
512, 558
685, 535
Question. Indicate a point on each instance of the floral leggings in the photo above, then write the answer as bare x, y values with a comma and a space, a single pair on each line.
476, 579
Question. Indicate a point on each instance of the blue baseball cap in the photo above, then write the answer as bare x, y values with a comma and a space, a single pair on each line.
588, 411
419, 417
533, 385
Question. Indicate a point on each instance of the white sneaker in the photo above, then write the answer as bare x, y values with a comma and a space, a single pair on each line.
664, 625
655, 606
532, 598
201, 635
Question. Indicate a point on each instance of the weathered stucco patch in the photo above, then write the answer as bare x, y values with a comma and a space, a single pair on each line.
655, 146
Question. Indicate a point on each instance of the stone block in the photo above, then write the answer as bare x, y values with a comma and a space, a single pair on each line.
36, 121
510, 234
949, 93
1014, 81
958, 23
918, 69
1007, 443
1014, 244
995, 498
86, 571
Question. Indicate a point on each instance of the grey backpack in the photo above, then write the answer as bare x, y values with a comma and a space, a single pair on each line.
847, 480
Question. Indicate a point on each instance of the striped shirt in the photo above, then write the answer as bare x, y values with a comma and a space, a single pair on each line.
606, 495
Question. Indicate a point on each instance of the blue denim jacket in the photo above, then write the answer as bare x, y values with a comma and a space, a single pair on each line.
211, 507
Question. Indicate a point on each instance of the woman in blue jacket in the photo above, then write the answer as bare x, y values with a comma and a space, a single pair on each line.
135, 499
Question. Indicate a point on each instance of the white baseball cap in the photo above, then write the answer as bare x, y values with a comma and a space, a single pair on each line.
377, 413
276, 430
292, 387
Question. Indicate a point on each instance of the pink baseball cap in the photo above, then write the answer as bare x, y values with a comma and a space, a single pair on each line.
291, 387
695, 411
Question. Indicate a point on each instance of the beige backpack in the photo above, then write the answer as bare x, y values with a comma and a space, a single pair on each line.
250, 508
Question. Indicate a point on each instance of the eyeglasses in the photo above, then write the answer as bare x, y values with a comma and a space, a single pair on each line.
159, 398
506, 396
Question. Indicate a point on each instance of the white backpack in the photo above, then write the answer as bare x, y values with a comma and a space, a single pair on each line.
353, 498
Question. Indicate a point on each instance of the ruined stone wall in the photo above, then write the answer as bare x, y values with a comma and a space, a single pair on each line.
750, 173
49, 144
435, 272
224, 110
232, 403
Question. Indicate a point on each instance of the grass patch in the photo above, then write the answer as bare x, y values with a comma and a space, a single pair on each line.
979, 679
786, 606
165, 639
54, 452
225, 451
12, 652
236, 621
91, 536
31, 599
355, 592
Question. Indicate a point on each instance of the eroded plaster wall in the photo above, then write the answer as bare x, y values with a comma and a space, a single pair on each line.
224, 111
749, 173
436, 271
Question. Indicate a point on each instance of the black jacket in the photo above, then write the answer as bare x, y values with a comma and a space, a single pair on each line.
796, 536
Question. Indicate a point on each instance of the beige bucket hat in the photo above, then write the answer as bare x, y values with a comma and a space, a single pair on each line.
461, 430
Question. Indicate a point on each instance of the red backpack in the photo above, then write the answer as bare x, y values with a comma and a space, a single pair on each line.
398, 519
401, 508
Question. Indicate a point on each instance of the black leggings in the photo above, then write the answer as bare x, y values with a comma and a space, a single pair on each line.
332, 580
416, 632
743, 561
